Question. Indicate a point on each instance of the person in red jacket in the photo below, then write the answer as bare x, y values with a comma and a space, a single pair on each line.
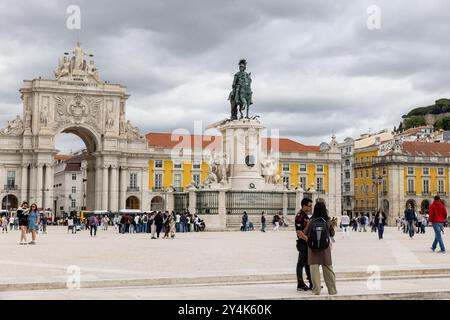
438, 215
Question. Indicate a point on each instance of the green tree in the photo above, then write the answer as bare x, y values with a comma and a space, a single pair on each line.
414, 121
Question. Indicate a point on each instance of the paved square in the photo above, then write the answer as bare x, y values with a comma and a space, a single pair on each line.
220, 259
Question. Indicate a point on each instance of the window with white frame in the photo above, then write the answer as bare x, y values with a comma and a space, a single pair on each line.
347, 174
177, 180
74, 189
133, 180
158, 164
11, 179
74, 203
426, 186
319, 168
158, 180
177, 164
441, 186
347, 162
196, 179
196, 164
320, 187
74, 176
285, 167
302, 167
426, 171
411, 186
410, 171
286, 180
303, 183
440, 171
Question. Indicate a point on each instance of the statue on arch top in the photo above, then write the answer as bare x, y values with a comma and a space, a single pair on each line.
241, 94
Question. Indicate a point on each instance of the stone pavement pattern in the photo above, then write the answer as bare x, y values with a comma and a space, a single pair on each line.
117, 257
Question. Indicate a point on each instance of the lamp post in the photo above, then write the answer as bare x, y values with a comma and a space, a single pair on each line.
377, 180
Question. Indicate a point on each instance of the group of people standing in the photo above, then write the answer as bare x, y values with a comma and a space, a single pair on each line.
28, 219
314, 230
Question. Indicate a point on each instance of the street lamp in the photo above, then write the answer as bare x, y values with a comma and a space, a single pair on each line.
377, 180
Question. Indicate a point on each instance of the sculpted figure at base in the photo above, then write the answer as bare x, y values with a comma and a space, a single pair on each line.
241, 95
269, 170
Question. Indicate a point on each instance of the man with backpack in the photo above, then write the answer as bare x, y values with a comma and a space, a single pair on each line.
317, 236
410, 217
301, 221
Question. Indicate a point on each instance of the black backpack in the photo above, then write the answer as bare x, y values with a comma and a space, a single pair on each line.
318, 234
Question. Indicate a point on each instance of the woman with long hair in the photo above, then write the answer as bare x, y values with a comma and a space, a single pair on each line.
22, 215
320, 254
33, 222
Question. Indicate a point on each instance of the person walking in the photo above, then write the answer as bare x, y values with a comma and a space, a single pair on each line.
70, 224
22, 215
438, 215
317, 235
380, 221
11, 223
93, 223
276, 222
44, 222
410, 217
345, 222
4, 223
362, 223
33, 222
301, 221
423, 224
244, 221
355, 225
172, 225
263, 222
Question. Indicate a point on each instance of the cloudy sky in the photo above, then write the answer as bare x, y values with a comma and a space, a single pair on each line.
316, 66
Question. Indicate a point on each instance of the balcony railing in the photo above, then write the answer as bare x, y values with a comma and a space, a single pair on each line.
161, 189
411, 193
133, 189
426, 194
11, 187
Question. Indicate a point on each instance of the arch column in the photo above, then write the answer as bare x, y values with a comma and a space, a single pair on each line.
98, 187
48, 186
39, 184
105, 189
24, 183
114, 190
123, 187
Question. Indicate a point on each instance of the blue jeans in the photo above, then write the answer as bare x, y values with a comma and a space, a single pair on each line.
411, 228
244, 226
437, 227
380, 230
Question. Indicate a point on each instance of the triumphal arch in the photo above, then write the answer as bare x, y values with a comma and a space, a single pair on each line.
76, 102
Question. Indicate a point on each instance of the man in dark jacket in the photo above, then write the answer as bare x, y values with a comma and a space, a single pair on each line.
159, 223
263, 222
410, 217
244, 221
438, 215
301, 220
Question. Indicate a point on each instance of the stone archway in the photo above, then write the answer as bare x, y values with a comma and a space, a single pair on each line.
425, 206
10, 202
76, 102
157, 204
132, 203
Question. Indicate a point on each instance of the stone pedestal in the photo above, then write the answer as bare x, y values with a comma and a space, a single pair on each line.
241, 144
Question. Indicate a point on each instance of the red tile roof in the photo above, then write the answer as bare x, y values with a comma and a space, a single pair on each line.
63, 157
167, 140
428, 149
